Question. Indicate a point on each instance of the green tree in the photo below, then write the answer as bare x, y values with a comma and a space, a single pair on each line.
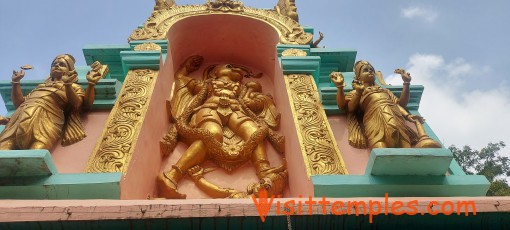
488, 162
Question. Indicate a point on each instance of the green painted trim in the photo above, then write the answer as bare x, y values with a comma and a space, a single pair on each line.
455, 169
328, 97
140, 60
62, 186
343, 59
301, 65
409, 162
309, 29
31, 174
108, 55
21, 163
399, 186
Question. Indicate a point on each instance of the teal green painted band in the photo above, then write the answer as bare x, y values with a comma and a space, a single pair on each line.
342, 59
22, 163
62, 186
140, 60
399, 186
301, 65
107, 55
455, 169
408, 162
328, 97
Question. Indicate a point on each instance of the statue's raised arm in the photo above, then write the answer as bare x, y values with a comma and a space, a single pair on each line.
50, 112
376, 117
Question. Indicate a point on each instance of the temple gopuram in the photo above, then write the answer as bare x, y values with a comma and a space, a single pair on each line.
220, 115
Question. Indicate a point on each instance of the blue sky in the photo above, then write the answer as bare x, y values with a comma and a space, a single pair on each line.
457, 49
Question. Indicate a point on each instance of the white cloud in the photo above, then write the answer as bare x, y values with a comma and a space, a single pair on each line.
418, 12
457, 116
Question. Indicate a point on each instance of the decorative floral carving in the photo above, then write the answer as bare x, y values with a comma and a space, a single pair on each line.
294, 52
116, 146
318, 143
164, 4
158, 24
147, 46
226, 5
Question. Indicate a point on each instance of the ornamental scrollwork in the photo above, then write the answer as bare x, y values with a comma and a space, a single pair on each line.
318, 144
117, 143
158, 24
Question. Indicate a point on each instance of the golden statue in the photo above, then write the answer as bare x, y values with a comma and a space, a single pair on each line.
50, 111
164, 4
224, 121
287, 8
376, 116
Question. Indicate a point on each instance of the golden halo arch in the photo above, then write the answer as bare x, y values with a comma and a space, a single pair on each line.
158, 24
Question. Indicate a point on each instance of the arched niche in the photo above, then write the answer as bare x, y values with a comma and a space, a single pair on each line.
228, 38
224, 37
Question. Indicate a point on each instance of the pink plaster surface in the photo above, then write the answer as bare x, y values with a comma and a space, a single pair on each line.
225, 37
223, 40
140, 180
74, 158
355, 159
299, 182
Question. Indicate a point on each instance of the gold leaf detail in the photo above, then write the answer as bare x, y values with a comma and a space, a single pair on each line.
317, 141
158, 24
294, 52
147, 46
117, 142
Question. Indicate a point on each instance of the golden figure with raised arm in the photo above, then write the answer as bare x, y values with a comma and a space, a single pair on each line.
376, 116
225, 121
51, 111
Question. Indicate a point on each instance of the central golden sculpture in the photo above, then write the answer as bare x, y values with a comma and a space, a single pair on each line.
376, 115
52, 110
225, 121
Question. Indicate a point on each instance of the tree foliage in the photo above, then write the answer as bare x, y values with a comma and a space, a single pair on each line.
488, 162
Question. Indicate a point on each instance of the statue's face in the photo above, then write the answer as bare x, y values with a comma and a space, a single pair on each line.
227, 70
367, 74
59, 68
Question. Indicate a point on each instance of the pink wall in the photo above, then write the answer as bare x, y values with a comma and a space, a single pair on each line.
140, 179
74, 158
299, 183
355, 159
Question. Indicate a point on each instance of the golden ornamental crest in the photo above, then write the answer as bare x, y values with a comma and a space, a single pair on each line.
225, 5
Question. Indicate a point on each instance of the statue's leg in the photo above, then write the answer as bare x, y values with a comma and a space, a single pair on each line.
40, 145
404, 143
273, 179
194, 155
245, 128
379, 145
7, 144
